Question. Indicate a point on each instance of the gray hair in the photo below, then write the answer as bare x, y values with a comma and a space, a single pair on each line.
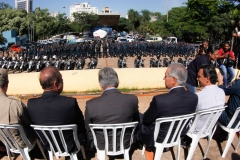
108, 77
178, 71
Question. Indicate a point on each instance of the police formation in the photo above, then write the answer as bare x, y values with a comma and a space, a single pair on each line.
73, 56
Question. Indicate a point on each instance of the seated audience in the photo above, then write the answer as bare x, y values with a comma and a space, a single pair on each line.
211, 96
53, 109
177, 102
233, 91
14, 111
111, 107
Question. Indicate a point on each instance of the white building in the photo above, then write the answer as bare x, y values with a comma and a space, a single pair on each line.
24, 5
106, 10
82, 7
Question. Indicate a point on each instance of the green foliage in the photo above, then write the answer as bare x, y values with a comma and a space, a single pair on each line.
84, 20
123, 24
134, 19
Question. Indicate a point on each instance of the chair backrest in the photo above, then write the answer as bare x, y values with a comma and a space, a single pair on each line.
113, 129
234, 117
8, 139
53, 134
177, 124
205, 120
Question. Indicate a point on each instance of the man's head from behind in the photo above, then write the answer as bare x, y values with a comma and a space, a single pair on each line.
207, 75
51, 79
175, 75
108, 78
3, 80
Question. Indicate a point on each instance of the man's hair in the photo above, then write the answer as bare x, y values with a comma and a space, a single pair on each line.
209, 71
54, 75
203, 41
178, 71
3, 84
108, 77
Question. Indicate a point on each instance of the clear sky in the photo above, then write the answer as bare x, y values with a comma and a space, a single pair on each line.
121, 6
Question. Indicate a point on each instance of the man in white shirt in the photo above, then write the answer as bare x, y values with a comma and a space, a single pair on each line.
211, 95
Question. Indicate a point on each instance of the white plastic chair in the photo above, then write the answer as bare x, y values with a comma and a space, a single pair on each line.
210, 118
231, 131
114, 128
49, 132
180, 122
12, 145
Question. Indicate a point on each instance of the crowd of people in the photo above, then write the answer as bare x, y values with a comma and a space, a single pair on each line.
107, 48
115, 107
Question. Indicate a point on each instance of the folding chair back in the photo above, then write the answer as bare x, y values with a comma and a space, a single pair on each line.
203, 126
176, 126
231, 131
52, 135
113, 129
10, 142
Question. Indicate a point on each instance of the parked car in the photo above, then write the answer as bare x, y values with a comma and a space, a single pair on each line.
122, 39
15, 47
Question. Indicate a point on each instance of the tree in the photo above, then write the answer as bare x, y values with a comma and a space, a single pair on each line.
84, 20
145, 18
4, 6
134, 19
123, 24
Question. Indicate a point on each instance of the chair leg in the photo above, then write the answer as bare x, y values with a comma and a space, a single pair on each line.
126, 154
143, 149
8, 153
193, 147
208, 145
229, 141
159, 151
178, 151
101, 154
73, 157
51, 155
24, 153
83, 152
41, 149
237, 144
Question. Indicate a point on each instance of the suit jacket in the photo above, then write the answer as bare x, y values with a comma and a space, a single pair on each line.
54, 109
177, 102
110, 108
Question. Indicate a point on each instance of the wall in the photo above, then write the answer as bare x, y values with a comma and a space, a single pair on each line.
86, 80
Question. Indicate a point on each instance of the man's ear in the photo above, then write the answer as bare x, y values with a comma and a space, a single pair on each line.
101, 87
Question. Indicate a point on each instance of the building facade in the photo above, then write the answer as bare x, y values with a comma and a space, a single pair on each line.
82, 7
24, 5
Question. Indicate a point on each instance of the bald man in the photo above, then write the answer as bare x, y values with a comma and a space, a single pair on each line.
53, 109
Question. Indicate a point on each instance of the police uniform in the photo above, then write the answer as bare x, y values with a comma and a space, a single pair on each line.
14, 111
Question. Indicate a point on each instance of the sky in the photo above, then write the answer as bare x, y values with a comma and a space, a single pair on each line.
121, 6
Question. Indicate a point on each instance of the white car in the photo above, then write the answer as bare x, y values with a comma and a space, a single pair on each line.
122, 39
130, 39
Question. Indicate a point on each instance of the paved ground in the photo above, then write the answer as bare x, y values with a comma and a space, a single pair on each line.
145, 97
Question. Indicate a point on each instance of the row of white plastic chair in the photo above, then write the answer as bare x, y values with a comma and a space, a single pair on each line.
207, 130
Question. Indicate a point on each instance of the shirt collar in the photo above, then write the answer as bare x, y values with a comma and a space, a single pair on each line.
174, 88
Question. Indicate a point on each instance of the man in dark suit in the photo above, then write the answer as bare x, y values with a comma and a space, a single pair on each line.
177, 102
53, 109
111, 107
